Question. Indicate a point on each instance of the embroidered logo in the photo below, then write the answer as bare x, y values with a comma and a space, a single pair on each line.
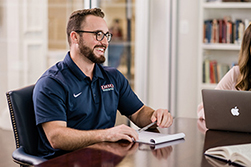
107, 87
76, 95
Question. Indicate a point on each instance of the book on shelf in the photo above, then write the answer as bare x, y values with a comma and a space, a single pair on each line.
206, 72
224, 30
224, 35
235, 154
215, 31
213, 71
233, 34
237, 23
208, 31
220, 22
241, 30
229, 33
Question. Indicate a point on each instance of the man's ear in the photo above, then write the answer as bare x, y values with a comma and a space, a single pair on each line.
74, 37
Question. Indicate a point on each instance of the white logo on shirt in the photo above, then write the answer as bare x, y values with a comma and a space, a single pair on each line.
76, 95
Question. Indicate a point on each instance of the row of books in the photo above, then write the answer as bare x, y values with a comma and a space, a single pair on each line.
224, 30
214, 71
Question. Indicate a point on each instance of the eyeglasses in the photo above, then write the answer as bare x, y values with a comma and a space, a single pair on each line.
99, 34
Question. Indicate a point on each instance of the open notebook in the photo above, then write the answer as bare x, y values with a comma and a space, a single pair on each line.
154, 138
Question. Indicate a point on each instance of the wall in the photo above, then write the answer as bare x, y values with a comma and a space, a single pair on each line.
187, 48
153, 86
24, 34
3, 68
153, 59
159, 54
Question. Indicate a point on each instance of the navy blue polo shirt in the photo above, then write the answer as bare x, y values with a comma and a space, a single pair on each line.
65, 93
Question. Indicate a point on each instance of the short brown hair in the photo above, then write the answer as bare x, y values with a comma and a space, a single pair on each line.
78, 17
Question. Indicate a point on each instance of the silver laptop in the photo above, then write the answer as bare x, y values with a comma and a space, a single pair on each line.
227, 110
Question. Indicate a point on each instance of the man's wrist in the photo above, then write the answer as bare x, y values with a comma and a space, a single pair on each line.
102, 135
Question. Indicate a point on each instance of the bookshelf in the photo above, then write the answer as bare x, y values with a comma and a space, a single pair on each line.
223, 52
227, 5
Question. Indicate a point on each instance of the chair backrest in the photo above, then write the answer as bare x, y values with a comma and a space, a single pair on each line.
23, 118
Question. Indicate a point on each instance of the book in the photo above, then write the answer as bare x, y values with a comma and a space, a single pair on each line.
241, 30
220, 30
237, 22
216, 72
228, 28
212, 71
233, 32
208, 31
229, 32
215, 31
212, 66
234, 154
222, 70
206, 71
224, 30
154, 138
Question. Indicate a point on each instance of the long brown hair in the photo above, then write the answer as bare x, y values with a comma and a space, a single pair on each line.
244, 62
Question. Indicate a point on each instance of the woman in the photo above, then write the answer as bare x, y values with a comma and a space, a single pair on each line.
238, 77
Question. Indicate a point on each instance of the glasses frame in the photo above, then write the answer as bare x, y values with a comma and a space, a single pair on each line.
96, 33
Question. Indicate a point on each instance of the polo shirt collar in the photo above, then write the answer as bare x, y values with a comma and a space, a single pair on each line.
97, 72
78, 73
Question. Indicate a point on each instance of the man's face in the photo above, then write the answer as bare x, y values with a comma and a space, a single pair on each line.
88, 45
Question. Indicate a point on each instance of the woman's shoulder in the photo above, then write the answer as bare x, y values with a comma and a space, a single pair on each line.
236, 70
229, 81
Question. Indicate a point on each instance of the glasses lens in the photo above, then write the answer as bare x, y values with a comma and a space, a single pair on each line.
100, 35
109, 37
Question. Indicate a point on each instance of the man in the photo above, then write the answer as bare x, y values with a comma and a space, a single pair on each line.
76, 100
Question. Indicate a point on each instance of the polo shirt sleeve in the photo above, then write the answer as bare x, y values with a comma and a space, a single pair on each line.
48, 99
129, 102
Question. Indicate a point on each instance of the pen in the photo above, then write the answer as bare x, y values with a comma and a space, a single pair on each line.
147, 126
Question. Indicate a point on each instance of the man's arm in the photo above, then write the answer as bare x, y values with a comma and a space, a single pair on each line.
146, 115
64, 138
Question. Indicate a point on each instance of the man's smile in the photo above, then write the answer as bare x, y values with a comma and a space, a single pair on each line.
100, 50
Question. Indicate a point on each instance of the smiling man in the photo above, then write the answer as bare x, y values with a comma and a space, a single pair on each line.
76, 100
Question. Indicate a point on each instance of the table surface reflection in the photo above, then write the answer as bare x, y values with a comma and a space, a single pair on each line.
187, 152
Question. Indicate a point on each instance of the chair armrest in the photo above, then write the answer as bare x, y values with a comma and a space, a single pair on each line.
21, 157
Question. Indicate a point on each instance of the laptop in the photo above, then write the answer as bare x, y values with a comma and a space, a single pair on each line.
227, 110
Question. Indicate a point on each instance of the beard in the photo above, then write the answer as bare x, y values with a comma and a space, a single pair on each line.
88, 52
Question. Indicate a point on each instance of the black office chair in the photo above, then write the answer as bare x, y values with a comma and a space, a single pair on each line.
24, 126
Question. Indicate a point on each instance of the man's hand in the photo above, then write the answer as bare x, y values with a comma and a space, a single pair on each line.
121, 132
65, 138
145, 115
163, 117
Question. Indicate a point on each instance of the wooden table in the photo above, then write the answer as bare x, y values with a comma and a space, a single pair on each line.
181, 153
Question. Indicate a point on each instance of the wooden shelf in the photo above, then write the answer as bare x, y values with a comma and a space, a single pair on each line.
228, 5
218, 46
208, 86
